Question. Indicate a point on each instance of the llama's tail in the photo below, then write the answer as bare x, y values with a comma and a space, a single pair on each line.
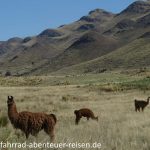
54, 117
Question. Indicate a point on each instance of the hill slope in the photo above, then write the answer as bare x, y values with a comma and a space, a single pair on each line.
133, 55
99, 40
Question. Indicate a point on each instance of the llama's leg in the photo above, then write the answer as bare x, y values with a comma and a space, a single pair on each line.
27, 135
136, 109
50, 132
88, 118
52, 135
143, 109
77, 120
49, 129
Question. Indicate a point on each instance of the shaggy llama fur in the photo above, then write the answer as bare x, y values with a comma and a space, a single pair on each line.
30, 123
140, 104
84, 112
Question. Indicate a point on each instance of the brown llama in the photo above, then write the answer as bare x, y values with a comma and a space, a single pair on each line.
84, 112
140, 104
29, 122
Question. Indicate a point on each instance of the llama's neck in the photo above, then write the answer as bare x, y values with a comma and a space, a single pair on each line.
12, 113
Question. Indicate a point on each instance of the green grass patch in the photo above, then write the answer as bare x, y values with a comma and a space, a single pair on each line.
3, 121
142, 84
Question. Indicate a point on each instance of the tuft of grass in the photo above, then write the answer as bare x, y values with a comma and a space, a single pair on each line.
20, 81
3, 121
65, 98
63, 83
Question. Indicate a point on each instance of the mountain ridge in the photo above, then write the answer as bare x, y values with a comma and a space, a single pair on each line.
94, 37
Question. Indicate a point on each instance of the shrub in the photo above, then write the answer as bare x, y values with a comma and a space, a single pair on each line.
8, 73
65, 98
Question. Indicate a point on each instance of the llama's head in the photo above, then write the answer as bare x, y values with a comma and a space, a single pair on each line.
75, 112
54, 117
10, 100
148, 99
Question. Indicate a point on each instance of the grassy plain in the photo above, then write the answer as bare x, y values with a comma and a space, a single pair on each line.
109, 95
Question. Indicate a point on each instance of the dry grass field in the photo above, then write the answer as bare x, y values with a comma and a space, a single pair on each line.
119, 126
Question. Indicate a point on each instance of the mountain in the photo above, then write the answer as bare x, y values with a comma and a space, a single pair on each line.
133, 55
138, 7
100, 39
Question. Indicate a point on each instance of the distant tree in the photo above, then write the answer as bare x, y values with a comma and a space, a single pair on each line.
102, 70
8, 73
144, 69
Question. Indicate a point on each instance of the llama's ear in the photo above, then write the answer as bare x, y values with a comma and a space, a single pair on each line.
11, 97
8, 97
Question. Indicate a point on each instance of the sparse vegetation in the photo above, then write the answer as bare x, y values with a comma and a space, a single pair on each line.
65, 98
20, 81
123, 130
142, 84
3, 120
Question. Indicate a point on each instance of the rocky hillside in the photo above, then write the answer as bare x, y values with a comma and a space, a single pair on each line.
98, 40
